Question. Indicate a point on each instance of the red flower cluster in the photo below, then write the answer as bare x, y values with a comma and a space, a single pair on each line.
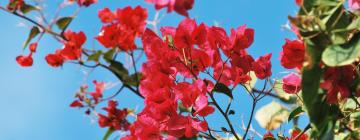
82, 97
179, 6
294, 134
85, 3
293, 54
122, 27
27, 60
337, 80
72, 49
115, 118
186, 51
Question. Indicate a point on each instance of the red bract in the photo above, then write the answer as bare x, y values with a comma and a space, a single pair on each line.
99, 88
133, 19
241, 38
262, 66
186, 126
126, 25
33, 47
115, 118
299, 2
337, 80
15, 4
293, 54
183, 36
73, 46
106, 15
291, 83
295, 133
25, 61
144, 128
354, 4
180, 6
55, 60
268, 135
76, 103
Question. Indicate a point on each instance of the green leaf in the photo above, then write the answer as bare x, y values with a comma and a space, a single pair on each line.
220, 87
185, 138
133, 80
296, 112
63, 22
95, 56
119, 70
231, 112
108, 133
33, 33
342, 55
27, 8
109, 55
272, 115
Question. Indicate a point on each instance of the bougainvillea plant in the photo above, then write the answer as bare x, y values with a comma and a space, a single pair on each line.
188, 64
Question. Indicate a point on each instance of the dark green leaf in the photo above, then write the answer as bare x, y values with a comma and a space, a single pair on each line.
95, 56
63, 22
231, 112
224, 129
27, 8
185, 138
219, 87
108, 133
296, 112
133, 80
342, 55
108, 56
33, 33
119, 70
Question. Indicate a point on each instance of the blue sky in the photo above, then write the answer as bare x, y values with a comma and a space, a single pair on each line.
34, 102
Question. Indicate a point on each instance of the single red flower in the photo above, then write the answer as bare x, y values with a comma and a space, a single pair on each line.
262, 66
268, 135
133, 19
33, 47
337, 80
25, 61
55, 60
99, 88
182, 6
241, 38
299, 2
106, 15
183, 35
295, 133
180, 126
293, 54
85, 3
73, 45
115, 118
291, 83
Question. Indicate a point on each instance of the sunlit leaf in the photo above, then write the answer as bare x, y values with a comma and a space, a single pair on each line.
272, 115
